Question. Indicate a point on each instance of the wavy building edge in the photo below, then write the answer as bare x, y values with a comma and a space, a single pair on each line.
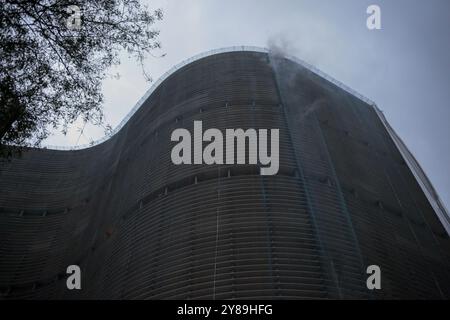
418, 172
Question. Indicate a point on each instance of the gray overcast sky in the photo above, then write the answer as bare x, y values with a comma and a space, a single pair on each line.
404, 67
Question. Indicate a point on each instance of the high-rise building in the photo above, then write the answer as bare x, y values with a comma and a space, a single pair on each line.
347, 195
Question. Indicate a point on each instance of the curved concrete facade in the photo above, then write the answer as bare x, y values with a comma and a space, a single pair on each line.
141, 227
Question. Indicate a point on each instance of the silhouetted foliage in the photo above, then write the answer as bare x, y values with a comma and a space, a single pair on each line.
54, 58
